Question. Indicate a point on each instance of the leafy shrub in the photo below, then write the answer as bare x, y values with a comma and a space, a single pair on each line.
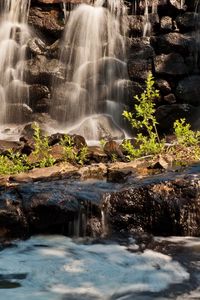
42, 149
143, 119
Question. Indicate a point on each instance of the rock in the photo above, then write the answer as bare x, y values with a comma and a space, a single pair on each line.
65, 1
17, 92
94, 228
166, 115
163, 86
66, 94
35, 46
188, 90
140, 49
57, 152
170, 207
46, 22
96, 154
136, 25
12, 219
171, 8
166, 24
20, 113
173, 42
37, 92
93, 171
98, 127
5, 145
170, 98
43, 105
187, 21
170, 65
64, 170
163, 162
113, 150
55, 138
138, 69
40, 70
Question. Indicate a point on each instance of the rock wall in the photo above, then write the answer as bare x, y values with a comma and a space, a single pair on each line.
170, 51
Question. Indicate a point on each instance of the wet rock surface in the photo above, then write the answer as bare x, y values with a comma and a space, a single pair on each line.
69, 200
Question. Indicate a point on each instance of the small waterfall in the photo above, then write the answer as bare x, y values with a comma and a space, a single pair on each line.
147, 23
13, 36
94, 53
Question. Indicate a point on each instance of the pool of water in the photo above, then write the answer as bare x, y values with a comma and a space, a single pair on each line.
60, 268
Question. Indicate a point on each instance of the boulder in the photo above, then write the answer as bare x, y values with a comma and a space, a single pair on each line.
169, 207
98, 127
188, 21
47, 22
166, 115
19, 113
163, 86
40, 70
37, 92
172, 65
173, 42
188, 90
138, 69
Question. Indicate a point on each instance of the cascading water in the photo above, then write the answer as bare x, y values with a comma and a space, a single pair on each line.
13, 36
94, 52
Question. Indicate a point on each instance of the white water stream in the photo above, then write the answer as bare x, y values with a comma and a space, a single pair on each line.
94, 52
55, 268
13, 36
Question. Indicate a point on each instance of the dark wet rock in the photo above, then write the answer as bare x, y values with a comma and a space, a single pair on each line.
94, 227
136, 25
56, 138
170, 98
54, 50
170, 207
163, 86
99, 127
49, 22
37, 92
173, 42
138, 69
140, 48
170, 65
170, 8
166, 24
5, 145
166, 115
12, 219
36, 46
40, 70
42, 105
113, 150
19, 112
96, 154
187, 21
188, 90
17, 92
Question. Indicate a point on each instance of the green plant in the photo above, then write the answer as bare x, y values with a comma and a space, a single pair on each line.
13, 163
82, 155
71, 153
143, 119
185, 135
42, 149
187, 138
68, 148
102, 143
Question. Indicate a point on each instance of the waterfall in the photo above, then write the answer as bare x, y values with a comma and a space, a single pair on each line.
13, 36
94, 53
147, 23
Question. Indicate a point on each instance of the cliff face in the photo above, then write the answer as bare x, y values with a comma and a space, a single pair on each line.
170, 50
